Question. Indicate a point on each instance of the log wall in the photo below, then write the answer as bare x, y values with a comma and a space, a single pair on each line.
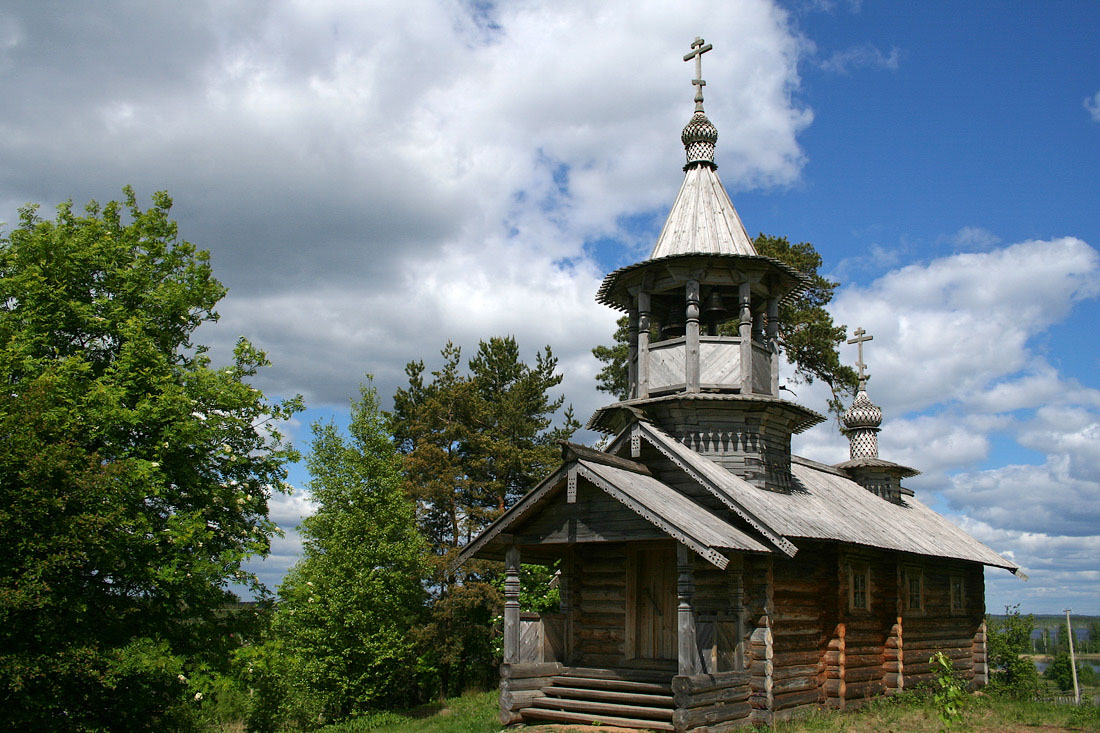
599, 605
520, 684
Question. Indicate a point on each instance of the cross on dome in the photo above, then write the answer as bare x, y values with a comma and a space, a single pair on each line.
698, 48
859, 339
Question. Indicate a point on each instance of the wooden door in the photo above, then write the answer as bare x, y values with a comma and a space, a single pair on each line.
651, 599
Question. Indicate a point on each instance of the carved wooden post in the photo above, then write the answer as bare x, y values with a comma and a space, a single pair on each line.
687, 647
643, 344
632, 353
511, 605
691, 340
773, 342
745, 332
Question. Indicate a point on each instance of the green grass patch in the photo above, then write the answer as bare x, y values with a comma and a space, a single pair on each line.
474, 712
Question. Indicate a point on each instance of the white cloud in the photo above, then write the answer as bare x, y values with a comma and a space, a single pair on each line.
947, 330
1092, 104
863, 56
974, 238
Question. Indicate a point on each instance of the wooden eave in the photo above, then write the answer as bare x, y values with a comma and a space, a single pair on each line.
709, 475
768, 276
613, 418
675, 515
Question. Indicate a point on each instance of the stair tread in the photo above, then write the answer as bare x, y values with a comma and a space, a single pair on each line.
617, 684
567, 716
610, 695
641, 711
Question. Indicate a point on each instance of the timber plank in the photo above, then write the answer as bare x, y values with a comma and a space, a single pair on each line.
566, 716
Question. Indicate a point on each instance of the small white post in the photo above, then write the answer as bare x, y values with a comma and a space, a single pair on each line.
1073, 661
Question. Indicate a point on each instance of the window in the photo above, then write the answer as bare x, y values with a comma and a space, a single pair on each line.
914, 590
957, 594
859, 588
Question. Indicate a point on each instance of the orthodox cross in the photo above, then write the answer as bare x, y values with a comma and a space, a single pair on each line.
697, 50
859, 339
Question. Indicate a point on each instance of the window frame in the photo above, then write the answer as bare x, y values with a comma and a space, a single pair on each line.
911, 574
859, 570
957, 605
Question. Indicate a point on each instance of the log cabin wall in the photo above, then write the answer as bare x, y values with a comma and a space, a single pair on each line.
934, 621
867, 600
599, 604
800, 624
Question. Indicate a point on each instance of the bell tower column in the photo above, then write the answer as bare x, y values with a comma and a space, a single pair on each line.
643, 344
691, 337
744, 330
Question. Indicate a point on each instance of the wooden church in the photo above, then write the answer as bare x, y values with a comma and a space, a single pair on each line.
709, 578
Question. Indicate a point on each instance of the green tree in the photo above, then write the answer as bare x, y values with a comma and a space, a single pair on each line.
1007, 639
807, 334
134, 476
349, 604
473, 442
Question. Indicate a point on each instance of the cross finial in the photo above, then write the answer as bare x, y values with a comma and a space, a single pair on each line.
859, 339
698, 48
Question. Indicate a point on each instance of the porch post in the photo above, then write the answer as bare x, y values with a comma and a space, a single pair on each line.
511, 605
687, 647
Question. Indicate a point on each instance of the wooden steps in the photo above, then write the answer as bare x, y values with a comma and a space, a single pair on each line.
624, 698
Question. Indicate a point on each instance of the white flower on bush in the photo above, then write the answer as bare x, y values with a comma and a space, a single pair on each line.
198, 695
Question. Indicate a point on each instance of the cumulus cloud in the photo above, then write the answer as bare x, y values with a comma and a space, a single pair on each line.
946, 330
374, 179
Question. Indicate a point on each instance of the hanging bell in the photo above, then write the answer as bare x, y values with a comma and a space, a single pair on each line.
714, 310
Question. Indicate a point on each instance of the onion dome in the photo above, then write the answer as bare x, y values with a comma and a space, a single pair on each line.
863, 413
861, 423
699, 138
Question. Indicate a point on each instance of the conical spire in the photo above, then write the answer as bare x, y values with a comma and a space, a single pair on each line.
702, 219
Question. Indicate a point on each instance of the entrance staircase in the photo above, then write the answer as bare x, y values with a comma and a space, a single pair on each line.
624, 698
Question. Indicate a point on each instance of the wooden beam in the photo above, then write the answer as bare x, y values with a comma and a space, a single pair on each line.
745, 331
572, 451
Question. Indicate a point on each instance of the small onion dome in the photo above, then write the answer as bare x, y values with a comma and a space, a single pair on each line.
699, 138
863, 413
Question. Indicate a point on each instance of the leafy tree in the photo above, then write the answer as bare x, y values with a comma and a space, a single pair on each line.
134, 476
349, 604
1006, 640
473, 442
807, 334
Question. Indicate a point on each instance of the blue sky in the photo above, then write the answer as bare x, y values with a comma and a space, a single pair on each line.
374, 179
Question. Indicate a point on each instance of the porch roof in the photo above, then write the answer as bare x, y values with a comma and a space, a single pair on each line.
632, 485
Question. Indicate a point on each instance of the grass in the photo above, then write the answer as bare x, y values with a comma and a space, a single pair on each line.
476, 712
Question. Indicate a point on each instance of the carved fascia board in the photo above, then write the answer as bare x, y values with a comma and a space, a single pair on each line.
708, 553
518, 511
639, 430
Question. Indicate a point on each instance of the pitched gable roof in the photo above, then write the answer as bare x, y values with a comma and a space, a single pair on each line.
826, 505
633, 486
